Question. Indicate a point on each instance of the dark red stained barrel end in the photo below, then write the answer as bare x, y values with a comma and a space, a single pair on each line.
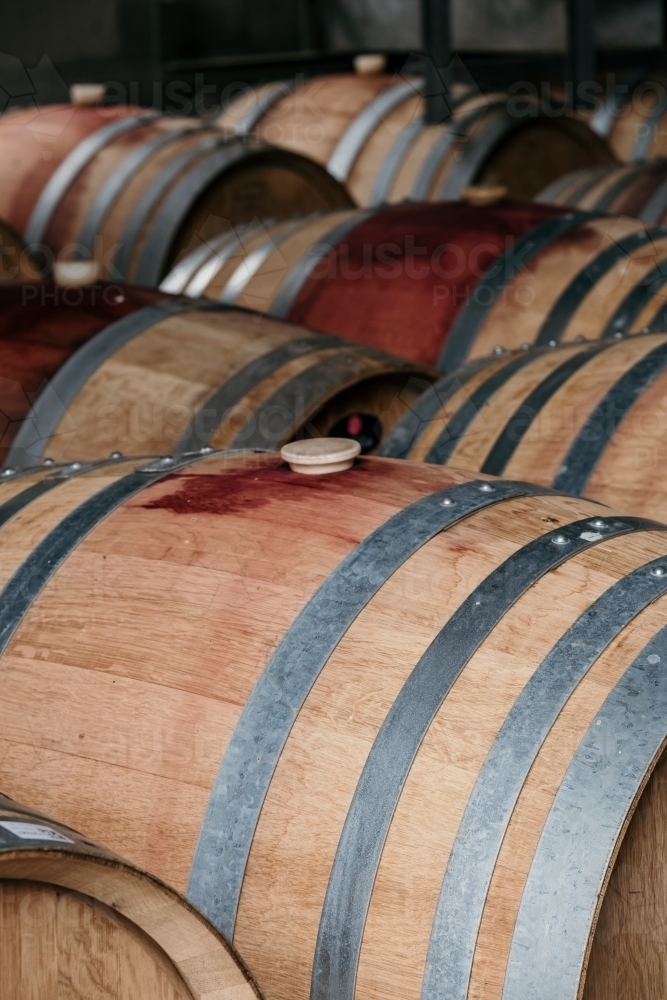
399, 279
41, 326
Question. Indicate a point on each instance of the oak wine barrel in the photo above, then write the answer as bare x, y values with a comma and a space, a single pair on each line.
633, 119
133, 189
87, 371
638, 190
16, 264
440, 283
79, 923
369, 132
397, 730
587, 418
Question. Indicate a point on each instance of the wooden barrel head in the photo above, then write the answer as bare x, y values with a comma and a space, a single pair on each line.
78, 923
71, 945
266, 184
540, 152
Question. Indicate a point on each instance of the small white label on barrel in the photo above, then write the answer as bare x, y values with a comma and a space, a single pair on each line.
591, 536
31, 831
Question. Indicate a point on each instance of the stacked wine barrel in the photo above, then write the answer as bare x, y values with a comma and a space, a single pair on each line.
638, 190
333, 556
632, 118
396, 729
370, 133
132, 189
110, 368
448, 282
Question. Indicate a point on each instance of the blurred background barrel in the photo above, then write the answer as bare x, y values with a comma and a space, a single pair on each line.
588, 418
133, 189
16, 264
80, 923
87, 371
633, 118
369, 131
439, 283
639, 190
343, 710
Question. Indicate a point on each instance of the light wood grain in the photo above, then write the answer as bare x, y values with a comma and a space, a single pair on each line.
528, 298
124, 682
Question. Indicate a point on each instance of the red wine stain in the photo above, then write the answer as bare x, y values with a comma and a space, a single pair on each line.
235, 491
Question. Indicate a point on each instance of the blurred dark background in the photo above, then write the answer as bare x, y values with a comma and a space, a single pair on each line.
139, 43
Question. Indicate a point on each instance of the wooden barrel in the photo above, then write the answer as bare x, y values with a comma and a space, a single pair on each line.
638, 190
369, 132
634, 121
388, 726
588, 419
87, 371
133, 190
441, 283
16, 264
79, 923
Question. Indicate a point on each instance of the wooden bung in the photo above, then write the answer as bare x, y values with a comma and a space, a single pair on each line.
397, 731
368, 129
483, 194
320, 456
91, 369
135, 190
370, 63
589, 418
449, 282
85, 95
79, 923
